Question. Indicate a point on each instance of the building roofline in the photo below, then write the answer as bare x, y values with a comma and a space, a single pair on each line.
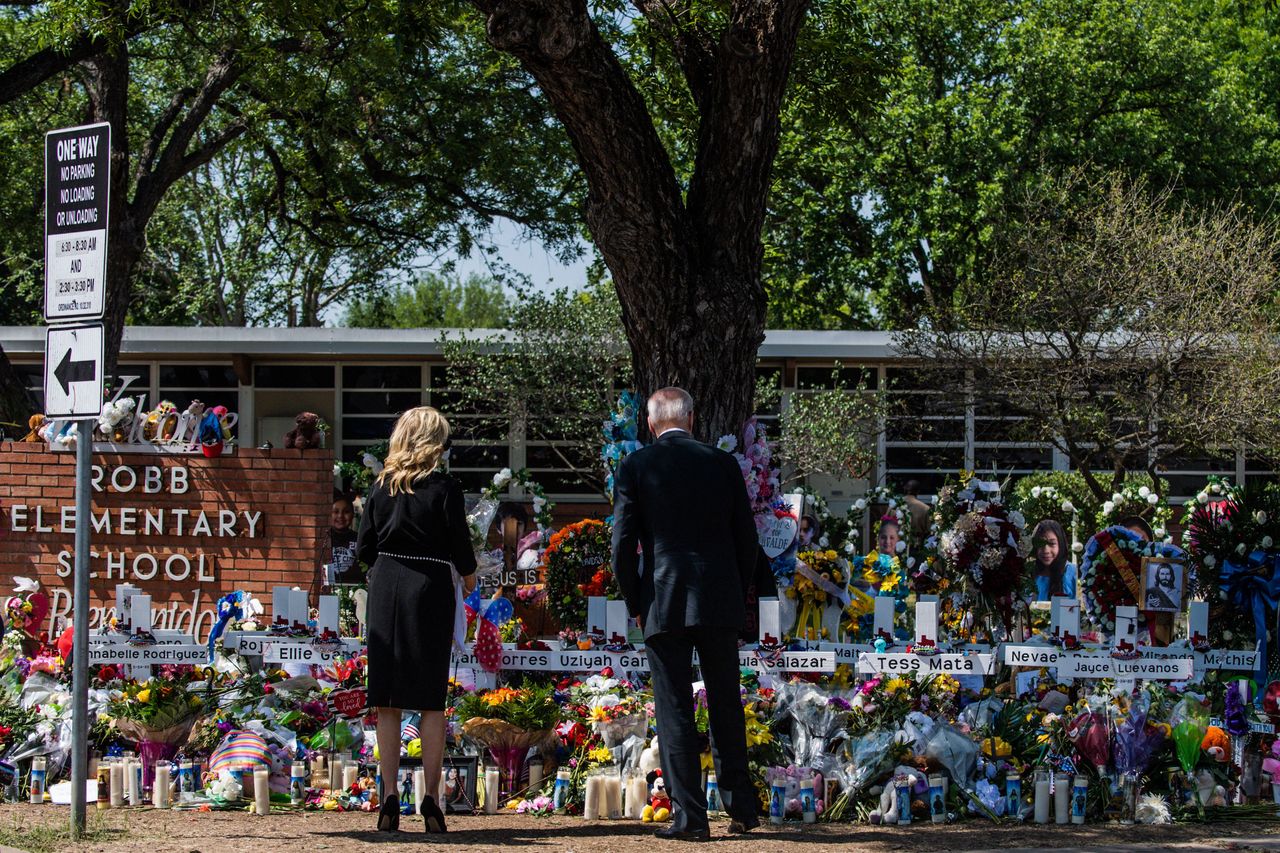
21, 342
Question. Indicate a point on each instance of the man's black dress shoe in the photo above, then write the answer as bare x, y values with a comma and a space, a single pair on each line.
742, 827
671, 834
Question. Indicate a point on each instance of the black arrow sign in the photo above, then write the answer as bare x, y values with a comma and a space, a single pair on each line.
69, 371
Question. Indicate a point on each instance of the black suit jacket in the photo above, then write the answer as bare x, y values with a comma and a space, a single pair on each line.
685, 505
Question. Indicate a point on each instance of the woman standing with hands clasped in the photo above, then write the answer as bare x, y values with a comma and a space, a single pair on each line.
413, 534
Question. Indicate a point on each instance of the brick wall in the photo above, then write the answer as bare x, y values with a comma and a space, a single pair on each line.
265, 523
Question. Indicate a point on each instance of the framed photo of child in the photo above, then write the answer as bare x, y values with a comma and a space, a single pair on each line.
1163, 585
460, 773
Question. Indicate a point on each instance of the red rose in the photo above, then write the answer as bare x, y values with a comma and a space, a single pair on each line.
607, 672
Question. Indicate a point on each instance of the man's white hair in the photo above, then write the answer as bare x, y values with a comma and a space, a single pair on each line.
670, 405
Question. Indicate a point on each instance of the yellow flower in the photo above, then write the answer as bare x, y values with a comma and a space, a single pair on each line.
144, 695
895, 684
599, 714
601, 754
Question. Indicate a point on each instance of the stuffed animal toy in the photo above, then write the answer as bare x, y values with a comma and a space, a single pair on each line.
190, 420
650, 759
209, 434
63, 437
35, 422
1216, 743
221, 412
116, 418
659, 808
161, 422
306, 435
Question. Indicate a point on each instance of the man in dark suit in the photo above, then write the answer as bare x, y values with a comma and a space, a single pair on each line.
685, 506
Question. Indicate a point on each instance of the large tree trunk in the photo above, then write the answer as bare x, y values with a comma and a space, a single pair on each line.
686, 266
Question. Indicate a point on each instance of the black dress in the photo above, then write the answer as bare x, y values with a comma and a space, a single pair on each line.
410, 541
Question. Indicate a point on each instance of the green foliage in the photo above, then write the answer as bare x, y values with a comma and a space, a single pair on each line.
1042, 495
555, 372
910, 127
832, 432
436, 302
529, 706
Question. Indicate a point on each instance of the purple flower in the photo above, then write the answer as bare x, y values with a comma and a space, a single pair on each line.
839, 702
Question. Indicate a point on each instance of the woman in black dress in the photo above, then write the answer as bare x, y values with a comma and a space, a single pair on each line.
413, 532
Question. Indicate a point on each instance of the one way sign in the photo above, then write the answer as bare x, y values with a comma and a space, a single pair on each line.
73, 359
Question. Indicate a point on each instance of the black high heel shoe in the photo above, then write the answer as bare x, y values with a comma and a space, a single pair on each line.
389, 815
432, 816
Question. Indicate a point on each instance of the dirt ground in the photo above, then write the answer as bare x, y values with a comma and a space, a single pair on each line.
135, 831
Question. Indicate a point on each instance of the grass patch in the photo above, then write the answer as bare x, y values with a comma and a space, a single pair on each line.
48, 838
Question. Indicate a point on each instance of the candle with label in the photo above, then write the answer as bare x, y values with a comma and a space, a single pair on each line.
937, 798
1079, 798
713, 795
808, 806
902, 790
104, 784
560, 793
37, 779
777, 802
298, 783
1013, 794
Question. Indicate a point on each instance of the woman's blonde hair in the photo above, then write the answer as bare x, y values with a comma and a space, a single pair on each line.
417, 443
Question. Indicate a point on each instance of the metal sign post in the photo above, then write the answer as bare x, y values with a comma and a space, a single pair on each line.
77, 163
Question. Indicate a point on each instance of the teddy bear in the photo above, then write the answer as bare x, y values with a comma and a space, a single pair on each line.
35, 423
306, 434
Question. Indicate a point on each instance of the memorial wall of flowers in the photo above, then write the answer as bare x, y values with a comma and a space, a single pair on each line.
936, 687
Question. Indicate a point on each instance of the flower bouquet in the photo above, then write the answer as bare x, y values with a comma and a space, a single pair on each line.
820, 581
158, 715
613, 707
508, 721
576, 565
987, 552
819, 720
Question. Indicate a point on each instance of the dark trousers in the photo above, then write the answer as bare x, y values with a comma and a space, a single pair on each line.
671, 661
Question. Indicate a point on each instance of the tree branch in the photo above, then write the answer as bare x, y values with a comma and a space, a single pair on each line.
694, 48
633, 198
174, 161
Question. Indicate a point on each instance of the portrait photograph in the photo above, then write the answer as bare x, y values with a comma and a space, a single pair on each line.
1162, 585
459, 793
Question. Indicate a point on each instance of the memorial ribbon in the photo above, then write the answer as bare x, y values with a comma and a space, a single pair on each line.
841, 595
1254, 587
